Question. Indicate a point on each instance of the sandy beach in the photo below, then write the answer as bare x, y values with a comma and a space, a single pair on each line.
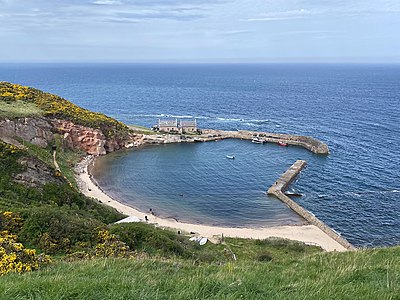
309, 234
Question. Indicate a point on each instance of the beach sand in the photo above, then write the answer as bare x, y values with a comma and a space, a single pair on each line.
309, 234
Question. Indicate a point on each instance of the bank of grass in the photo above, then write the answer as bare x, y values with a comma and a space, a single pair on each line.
19, 109
54, 208
141, 129
166, 243
57, 107
367, 274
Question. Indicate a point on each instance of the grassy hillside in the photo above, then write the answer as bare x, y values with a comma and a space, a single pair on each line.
371, 274
55, 208
50, 215
20, 101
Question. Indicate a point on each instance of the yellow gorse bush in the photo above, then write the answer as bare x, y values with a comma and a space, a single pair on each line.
110, 246
58, 107
10, 221
15, 258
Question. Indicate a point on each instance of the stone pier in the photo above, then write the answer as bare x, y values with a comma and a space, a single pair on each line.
278, 189
307, 142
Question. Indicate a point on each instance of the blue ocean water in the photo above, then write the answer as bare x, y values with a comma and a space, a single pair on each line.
353, 108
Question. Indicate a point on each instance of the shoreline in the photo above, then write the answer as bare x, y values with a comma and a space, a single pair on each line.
308, 234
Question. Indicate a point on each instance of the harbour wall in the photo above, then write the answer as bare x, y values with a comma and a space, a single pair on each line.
278, 188
306, 142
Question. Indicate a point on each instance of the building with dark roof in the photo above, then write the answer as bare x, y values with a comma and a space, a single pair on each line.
174, 126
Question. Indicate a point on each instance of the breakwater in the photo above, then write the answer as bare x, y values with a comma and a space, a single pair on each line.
278, 188
206, 135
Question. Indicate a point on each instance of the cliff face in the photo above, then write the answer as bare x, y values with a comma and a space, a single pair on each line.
88, 139
40, 131
36, 131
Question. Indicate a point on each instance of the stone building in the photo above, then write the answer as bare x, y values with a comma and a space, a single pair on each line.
174, 126
188, 126
168, 125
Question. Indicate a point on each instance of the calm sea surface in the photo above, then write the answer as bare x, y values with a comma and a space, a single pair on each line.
355, 109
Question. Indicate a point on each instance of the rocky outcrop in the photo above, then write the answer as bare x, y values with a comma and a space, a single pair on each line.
40, 131
90, 140
36, 173
37, 131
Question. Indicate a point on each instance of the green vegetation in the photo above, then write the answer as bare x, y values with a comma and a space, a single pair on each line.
18, 109
165, 243
368, 274
55, 106
141, 129
93, 258
66, 158
56, 210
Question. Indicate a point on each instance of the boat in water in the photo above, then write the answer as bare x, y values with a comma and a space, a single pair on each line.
283, 144
230, 157
256, 140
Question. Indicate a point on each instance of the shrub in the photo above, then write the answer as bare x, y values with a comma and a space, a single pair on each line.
156, 241
110, 246
10, 222
49, 227
15, 258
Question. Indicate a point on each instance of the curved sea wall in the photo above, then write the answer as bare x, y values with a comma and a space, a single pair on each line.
306, 142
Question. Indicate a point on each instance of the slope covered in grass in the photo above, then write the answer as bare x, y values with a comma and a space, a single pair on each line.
20, 101
369, 274
51, 207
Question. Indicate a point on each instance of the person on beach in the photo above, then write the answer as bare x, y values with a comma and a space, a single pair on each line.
146, 218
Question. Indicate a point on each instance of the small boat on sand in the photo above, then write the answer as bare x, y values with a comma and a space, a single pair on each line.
230, 157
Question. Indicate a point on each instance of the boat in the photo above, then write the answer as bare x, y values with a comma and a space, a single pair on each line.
293, 194
230, 157
203, 241
256, 140
283, 144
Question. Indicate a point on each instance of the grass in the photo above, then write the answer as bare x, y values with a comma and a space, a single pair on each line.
55, 106
367, 274
165, 243
66, 158
141, 129
19, 109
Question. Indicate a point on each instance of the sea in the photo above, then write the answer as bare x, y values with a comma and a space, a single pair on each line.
353, 108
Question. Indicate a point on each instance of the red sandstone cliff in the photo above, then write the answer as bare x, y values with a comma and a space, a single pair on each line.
40, 131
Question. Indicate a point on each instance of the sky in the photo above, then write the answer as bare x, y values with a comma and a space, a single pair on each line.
200, 31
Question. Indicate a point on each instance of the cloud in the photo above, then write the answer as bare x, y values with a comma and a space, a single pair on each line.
107, 2
282, 15
160, 13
